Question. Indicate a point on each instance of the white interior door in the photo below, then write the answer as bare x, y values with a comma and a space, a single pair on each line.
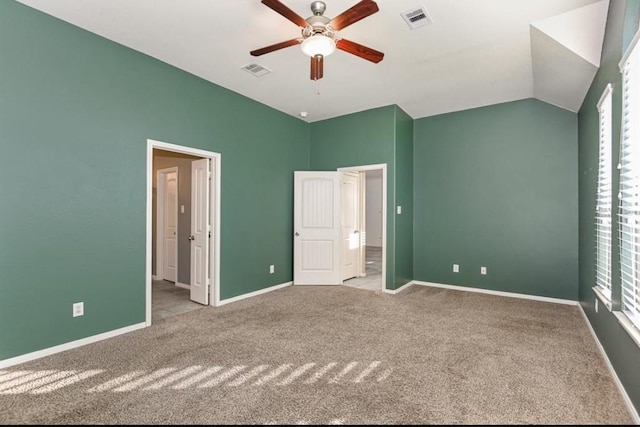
170, 243
350, 224
200, 231
317, 232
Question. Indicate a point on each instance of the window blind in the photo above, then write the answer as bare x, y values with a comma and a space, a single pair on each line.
629, 196
603, 197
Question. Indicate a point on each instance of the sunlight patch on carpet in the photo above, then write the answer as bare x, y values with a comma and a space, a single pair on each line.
273, 374
297, 373
197, 376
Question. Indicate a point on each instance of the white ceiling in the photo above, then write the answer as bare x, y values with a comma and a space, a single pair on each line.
475, 53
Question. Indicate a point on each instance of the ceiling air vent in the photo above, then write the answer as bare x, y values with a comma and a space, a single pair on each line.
416, 17
256, 70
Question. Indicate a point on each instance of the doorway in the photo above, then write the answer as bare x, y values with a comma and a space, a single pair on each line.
330, 243
183, 229
371, 216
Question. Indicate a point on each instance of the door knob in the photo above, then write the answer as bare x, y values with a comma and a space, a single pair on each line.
355, 231
297, 234
191, 238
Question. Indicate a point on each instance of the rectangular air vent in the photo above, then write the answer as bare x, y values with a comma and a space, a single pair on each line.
256, 70
416, 17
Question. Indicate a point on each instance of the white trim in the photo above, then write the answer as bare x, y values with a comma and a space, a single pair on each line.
383, 167
628, 326
400, 289
68, 346
630, 48
623, 392
161, 180
361, 269
155, 276
214, 261
607, 90
603, 298
182, 285
215, 254
255, 293
498, 293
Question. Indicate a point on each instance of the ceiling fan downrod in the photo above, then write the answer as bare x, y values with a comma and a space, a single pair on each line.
318, 7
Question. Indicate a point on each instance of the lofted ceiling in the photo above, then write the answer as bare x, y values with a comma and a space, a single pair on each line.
473, 53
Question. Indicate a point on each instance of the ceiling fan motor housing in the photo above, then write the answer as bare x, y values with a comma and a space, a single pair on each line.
318, 24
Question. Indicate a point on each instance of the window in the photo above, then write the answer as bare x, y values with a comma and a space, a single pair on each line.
603, 199
629, 196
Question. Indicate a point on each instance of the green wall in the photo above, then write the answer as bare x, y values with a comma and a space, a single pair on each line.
497, 187
494, 186
78, 109
359, 139
403, 254
621, 350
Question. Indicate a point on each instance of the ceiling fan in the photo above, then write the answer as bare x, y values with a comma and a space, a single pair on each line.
319, 37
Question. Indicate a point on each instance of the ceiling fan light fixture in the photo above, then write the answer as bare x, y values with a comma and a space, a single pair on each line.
318, 44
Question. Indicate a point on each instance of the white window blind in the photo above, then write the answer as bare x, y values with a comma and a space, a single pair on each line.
603, 197
629, 196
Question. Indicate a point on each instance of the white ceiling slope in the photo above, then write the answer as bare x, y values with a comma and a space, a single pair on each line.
475, 53
564, 65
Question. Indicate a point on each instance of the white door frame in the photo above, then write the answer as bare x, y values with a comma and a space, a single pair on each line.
358, 226
383, 167
214, 260
161, 180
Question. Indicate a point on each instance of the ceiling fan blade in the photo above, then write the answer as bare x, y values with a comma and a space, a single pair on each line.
360, 50
354, 14
273, 47
286, 12
317, 67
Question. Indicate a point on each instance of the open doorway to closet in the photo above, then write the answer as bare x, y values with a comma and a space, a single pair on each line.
182, 230
362, 205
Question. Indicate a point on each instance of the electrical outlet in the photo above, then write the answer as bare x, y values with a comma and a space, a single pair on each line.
272, 269
456, 268
483, 270
78, 309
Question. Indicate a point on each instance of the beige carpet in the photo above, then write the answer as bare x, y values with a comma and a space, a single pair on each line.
331, 355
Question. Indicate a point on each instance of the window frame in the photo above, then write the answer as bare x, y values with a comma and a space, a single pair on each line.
629, 196
604, 199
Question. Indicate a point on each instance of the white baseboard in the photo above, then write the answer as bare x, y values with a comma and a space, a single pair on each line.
400, 289
499, 293
154, 277
68, 346
623, 392
182, 285
255, 293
